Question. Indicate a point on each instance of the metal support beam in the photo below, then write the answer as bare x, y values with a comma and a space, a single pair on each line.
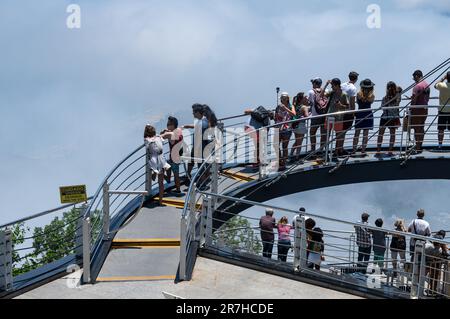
79, 233
214, 182
86, 250
106, 217
262, 153
148, 172
183, 248
6, 264
204, 218
209, 224
299, 243
418, 278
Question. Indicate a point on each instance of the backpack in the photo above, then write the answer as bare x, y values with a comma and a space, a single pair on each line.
320, 103
261, 115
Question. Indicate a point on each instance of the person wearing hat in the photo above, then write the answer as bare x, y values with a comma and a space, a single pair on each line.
284, 113
364, 119
444, 109
316, 123
420, 97
364, 243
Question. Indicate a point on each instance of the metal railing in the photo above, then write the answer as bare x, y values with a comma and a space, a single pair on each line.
310, 156
334, 257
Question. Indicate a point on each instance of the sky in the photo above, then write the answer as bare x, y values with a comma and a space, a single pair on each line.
73, 102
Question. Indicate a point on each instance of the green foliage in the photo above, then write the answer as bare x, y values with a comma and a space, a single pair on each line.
237, 233
51, 242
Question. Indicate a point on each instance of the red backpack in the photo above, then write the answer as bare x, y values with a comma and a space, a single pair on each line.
320, 103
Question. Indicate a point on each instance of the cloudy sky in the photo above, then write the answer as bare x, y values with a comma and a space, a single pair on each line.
73, 101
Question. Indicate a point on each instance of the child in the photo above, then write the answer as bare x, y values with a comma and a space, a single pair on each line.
157, 162
175, 136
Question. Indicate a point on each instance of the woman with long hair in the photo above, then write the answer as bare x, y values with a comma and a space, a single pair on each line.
284, 239
390, 117
398, 245
156, 161
300, 104
364, 119
284, 113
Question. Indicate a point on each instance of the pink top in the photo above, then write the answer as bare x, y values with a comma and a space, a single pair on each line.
422, 93
283, 231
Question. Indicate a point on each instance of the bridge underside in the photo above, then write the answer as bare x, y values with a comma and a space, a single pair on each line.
417, 168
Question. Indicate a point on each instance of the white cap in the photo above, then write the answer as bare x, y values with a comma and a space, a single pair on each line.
284, 94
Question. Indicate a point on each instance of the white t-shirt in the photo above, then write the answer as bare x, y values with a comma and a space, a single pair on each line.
349, 89
295, 217
420, 227
312, 101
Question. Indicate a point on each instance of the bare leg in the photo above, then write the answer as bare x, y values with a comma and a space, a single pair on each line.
356, 139
380, 138
312, 134
392, 141
365, 140
161, 187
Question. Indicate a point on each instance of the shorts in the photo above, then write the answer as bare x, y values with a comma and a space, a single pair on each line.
444, 121
332, 123
174, 166
347, 121
301, 128
391, 123
418, 116
285, 134
318, 121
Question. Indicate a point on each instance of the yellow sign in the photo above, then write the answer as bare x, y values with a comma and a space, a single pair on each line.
73, 194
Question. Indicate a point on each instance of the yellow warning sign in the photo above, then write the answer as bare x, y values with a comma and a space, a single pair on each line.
73, 194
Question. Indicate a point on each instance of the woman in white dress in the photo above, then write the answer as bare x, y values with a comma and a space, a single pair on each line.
156, 160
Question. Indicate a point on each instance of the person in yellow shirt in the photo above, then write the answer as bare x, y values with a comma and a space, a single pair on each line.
444, 109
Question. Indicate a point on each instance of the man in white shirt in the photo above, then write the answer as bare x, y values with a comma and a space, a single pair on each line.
418, 226
444, 109
350, 90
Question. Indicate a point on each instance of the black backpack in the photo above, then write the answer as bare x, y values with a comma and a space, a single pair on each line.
261, 115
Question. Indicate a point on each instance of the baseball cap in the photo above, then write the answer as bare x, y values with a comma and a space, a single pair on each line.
353, 74
336, 81
284, 94
316, 81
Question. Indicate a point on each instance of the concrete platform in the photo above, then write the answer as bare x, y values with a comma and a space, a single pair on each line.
211, 279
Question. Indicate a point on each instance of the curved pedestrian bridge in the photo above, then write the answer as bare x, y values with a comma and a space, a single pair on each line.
125, 245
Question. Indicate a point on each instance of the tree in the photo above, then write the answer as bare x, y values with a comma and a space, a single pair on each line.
237, 233
52, 242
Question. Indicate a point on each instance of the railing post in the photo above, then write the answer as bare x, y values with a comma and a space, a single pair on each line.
209, 224
6, 263
106, 217
86, 250
418, 272
299, 243
79, 234
183, 247
214, 182
262, 153
148, 173
204, 219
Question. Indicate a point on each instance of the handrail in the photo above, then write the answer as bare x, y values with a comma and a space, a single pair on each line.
253, 203
41, 213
